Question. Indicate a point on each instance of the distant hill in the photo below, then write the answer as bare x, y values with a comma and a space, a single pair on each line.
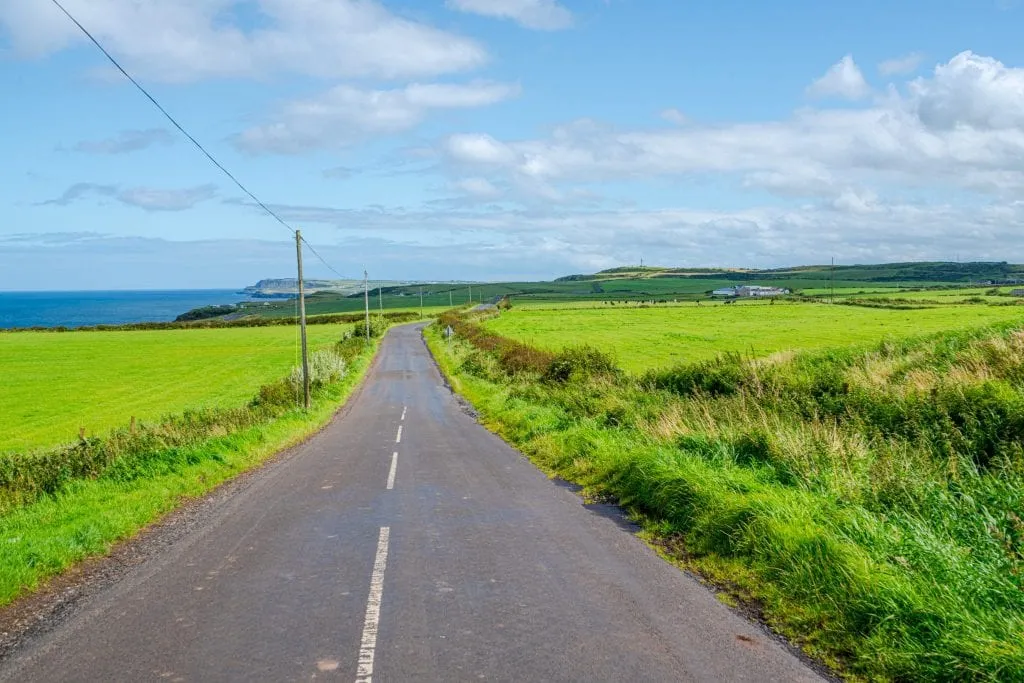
277, 288
979, 272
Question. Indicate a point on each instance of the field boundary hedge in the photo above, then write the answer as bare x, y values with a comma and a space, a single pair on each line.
394, 318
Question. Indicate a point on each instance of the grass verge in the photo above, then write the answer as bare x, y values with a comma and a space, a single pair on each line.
868, 498
50, 520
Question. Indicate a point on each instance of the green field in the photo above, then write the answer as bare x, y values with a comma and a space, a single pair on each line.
54, 383
645, 338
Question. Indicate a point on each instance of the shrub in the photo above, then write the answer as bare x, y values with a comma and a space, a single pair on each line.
721, 376
580, 363
325, 367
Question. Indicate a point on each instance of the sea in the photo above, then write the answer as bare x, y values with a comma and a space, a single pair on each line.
81, 309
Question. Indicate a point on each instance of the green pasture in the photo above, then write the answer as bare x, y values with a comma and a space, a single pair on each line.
54, 383
659, 336
943, 294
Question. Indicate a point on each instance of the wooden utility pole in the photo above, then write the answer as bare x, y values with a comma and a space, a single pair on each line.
380, 300
366, 295
471, 294
302, 322
421, 303
449, 298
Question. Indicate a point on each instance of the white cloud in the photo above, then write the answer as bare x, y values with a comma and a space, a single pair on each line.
979, 92
127, 141
478, 148
901, 65
556, 240
962, 127
542, 15
477, 187
346, 114
843, 79
674, 116
188, 40
145, 198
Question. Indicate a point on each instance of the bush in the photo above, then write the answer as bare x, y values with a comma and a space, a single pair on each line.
581, 363
325, 367
721, 376
377, 327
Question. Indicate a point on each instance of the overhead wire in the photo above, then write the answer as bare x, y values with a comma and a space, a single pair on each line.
270, 212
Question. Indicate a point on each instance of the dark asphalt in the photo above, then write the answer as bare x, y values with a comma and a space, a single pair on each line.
492, 572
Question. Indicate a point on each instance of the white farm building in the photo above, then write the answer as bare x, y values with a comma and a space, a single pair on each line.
750, 291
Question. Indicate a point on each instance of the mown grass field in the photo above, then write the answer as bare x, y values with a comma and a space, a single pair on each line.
660, 336
937, 295
53, 383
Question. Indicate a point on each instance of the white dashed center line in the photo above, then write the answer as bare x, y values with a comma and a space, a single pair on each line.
368, 644
398, 439
391, 474
403, 412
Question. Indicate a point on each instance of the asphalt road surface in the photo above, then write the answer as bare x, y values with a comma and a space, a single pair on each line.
407, 543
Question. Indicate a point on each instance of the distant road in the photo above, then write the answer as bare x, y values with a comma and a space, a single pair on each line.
406, 543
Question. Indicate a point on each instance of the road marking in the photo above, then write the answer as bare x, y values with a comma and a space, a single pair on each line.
403, 412
398, 439
391, 474
368, 644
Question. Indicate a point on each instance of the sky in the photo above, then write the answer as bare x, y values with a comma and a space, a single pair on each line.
504, 139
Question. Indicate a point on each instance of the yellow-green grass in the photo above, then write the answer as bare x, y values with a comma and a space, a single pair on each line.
54, 383
944, 295
646, 338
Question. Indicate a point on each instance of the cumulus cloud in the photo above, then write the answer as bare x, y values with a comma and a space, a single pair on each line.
145, 198
346, 114
541, 15
189, 40
843, 79
901, 65
973, 91
961, 127
127, 141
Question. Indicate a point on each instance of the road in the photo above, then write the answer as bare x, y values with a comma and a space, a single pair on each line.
407, 543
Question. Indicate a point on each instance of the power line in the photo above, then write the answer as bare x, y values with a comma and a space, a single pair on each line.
324, 261
191, 139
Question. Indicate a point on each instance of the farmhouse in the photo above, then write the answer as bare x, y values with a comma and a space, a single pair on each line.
1017, 292
750, 291
757, 290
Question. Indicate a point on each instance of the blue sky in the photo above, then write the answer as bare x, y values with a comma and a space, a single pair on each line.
500, 139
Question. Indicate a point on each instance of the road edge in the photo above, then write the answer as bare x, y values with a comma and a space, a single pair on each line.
37, 613
664, 548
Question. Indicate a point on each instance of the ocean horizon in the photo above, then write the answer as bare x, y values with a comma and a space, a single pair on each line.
113, 307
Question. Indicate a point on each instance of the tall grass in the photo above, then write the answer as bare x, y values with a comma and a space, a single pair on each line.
870, 497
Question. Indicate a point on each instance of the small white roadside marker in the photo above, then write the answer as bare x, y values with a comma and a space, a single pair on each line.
391, 474
398, 439
368, 643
